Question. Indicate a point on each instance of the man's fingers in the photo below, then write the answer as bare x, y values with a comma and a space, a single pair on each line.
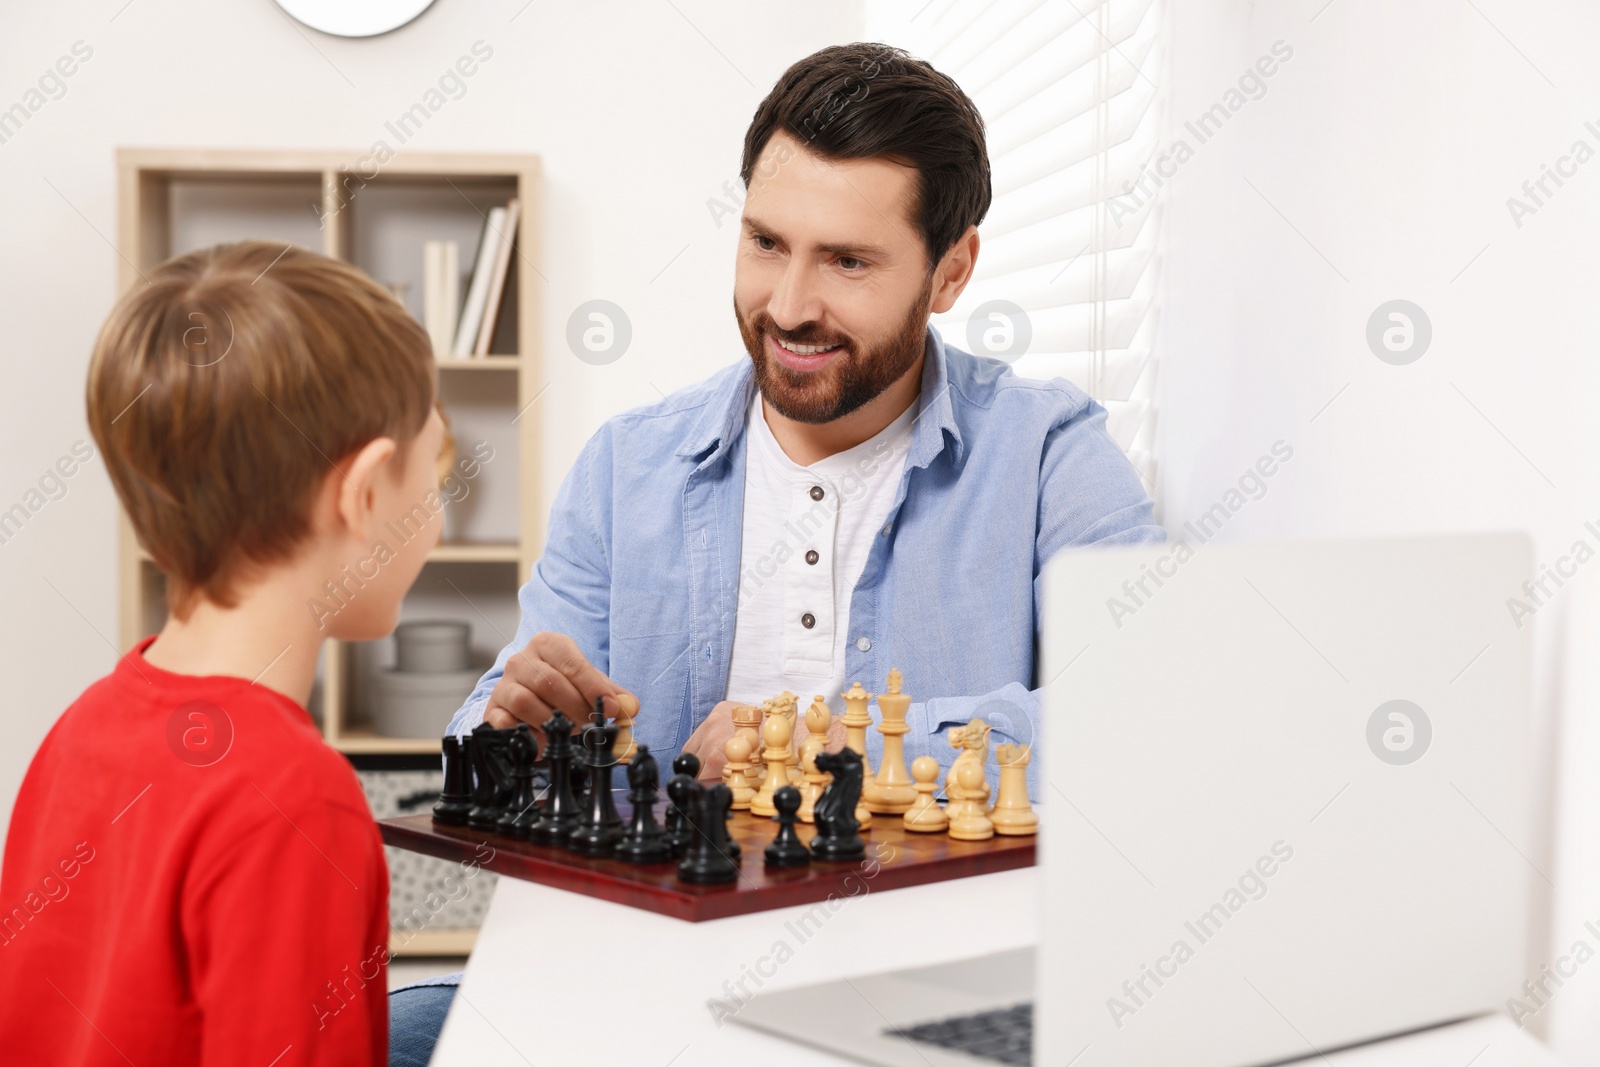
709, 739
546, 682
562, 653
711, 765
512, 698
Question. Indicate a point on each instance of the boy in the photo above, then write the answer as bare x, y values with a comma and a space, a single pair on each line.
192, 876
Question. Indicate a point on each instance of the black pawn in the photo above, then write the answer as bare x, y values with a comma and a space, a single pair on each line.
523, 811
644, 841
560, 806
455, 799
707, 861
787, 850
680, 788
600, 826
838, 834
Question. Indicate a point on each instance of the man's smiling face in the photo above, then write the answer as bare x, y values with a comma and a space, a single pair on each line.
831, 284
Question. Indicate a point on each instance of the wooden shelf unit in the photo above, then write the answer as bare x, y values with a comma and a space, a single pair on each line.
433, 943
148, 180
443, 552
481, 363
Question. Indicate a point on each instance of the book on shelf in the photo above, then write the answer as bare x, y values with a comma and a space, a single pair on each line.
505, 242
478, 288
505, 339
441, 285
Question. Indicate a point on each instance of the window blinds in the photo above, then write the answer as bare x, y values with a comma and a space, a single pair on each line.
1071, 95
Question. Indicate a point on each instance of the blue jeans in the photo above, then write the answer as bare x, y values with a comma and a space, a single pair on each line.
416, 1015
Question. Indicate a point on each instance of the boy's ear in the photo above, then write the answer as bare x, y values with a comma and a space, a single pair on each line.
357, 483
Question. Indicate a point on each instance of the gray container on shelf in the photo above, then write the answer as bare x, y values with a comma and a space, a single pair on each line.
418, 704
431, 678
431, 647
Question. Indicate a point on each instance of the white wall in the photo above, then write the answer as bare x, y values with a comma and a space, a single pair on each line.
639, 112
1391, 141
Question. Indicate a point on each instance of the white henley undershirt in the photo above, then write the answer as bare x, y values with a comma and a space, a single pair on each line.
807, 534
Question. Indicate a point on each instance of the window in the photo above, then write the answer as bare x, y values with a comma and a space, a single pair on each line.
1071, 92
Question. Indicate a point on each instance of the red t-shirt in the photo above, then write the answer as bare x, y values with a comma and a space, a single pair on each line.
191, 877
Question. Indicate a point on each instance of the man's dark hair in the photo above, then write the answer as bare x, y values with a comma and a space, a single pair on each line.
857, 101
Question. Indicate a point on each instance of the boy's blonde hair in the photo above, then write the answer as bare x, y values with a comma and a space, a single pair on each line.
223, 390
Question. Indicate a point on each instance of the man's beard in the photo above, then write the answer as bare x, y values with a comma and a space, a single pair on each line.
855, 376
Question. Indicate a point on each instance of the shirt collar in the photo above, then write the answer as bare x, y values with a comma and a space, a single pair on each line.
724, 418
935, 413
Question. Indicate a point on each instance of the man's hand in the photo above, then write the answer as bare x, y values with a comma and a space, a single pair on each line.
708, 739
550, 673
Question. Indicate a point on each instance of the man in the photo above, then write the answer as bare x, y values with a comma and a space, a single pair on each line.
857, 495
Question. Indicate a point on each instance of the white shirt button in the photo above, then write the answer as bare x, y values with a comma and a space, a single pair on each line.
864, 644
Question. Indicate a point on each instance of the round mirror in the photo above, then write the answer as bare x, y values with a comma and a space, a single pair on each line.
354, 18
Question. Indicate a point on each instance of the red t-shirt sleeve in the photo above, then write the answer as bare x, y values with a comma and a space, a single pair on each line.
288, 933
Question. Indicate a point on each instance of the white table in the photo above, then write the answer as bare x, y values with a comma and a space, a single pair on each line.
559, 979
555, 975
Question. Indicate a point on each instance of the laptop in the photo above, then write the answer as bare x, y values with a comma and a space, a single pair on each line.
1287, 809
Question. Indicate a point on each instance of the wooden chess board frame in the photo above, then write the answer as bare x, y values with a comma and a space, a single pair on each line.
895, 859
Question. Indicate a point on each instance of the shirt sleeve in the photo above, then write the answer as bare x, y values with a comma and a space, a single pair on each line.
288, 929
570, 589
1089, 495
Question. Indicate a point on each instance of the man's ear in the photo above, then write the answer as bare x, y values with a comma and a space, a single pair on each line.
356, 482
954, 271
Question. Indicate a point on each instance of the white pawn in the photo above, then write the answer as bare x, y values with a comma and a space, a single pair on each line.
737, 749
925, 815
776, 734
818, 719
972, 822
627, 711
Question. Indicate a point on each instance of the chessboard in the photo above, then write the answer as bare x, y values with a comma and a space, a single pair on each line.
895, 859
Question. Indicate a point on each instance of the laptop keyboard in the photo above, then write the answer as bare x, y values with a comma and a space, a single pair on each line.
1004, 1036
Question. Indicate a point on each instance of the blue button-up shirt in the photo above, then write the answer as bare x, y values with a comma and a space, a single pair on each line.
641, 563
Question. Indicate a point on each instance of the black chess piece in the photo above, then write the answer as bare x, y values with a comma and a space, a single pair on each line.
455, 799
838, 833
578, 776
602, 773
560, 806
680, 787
787, 850
686, 763
523, 811
644, 841
680, 795
599, 827
734, 851
492, 791
500, 767
707, 862
482, 780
